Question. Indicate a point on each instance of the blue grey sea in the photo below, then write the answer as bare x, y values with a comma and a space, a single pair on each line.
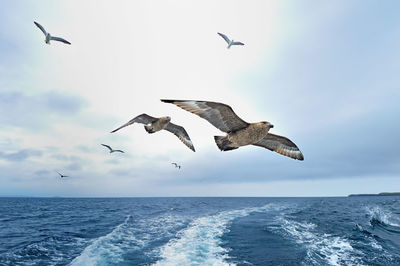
200, 231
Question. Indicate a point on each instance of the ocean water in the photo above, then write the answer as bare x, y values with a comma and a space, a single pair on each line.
200, 231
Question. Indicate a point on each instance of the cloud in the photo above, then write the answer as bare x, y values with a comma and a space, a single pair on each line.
326, 77
74, 167
18, 109
63, 157
20, 155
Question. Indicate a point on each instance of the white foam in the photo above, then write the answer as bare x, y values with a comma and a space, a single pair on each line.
384, 216
332, 250
200, 243
128, 236
108, 248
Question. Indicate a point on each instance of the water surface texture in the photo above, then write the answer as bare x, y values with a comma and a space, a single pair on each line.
200, 231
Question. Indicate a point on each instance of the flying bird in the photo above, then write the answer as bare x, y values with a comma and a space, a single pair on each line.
228, 41
61, 175
239, 132
176, 165
48, 37
153, 124
111, 150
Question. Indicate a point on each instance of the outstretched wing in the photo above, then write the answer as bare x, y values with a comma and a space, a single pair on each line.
119, 151
224, 37
143, 119
40, 27
237, 43
281, 145
181, 133
59, 39
107, 146
218, 114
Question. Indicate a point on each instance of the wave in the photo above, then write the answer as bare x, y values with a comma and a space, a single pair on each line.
49, 248
109, 248
380, 216
128, 236
321, 248
200, 243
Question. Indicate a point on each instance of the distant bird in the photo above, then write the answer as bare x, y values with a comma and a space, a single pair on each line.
61, 175
153, 124
228, 41
176, 165
239, 132
49, 37
111, 150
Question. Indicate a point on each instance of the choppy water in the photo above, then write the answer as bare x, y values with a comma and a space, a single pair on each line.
200, 231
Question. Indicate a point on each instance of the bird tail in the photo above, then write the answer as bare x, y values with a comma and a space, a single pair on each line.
149, 129
223, 143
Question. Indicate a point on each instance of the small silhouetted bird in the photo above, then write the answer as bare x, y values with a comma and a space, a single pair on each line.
111, 150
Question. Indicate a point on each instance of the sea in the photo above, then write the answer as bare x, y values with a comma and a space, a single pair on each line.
200, 231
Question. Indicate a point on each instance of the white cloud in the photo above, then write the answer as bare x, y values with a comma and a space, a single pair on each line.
127, 55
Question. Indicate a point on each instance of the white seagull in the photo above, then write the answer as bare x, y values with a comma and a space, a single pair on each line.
49, 37
228, 41
111, 150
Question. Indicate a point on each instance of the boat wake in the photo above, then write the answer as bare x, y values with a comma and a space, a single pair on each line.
200, 243
321, 248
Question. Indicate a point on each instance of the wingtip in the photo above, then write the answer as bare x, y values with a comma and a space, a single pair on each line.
167, 101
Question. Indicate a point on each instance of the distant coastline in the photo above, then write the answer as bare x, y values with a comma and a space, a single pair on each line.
380, 194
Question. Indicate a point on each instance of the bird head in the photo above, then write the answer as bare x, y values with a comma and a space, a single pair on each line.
268, 124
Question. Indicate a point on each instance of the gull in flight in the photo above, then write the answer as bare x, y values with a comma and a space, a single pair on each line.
61, 175
239, 132
176, 165
153, 124
111, 150
49, 37
228, 41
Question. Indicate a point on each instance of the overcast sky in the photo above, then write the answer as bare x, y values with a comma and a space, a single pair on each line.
325, 73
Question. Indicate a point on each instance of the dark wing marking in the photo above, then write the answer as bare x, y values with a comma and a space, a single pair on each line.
59, 39
107, 146
143, 119
181, 133
119, 151
40, 27
237, 43
218, 114
224, 37
281, 145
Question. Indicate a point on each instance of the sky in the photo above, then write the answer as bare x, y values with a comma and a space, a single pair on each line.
324, 73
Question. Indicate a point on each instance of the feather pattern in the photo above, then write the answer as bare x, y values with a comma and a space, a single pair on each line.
181, 133
142, 119
218, 114
281, 145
